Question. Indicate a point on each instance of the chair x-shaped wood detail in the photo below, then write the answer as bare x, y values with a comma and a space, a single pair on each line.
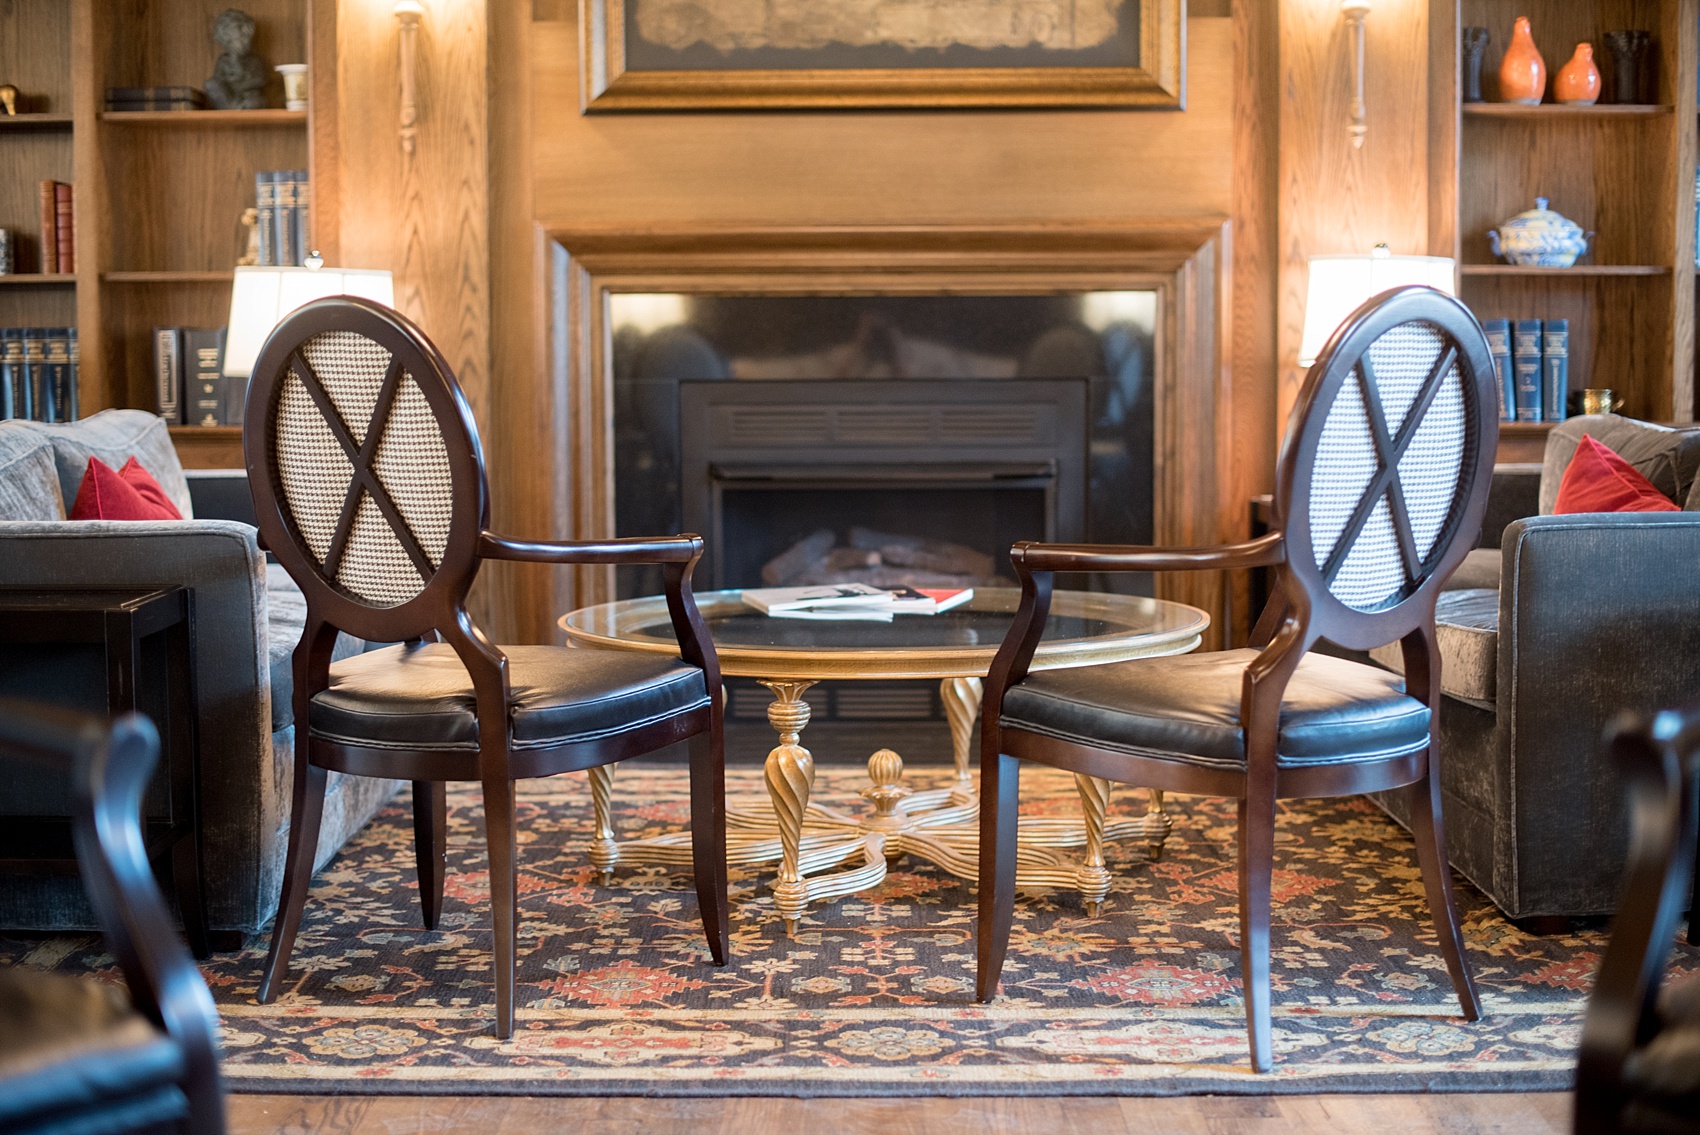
1389, 449
361, 457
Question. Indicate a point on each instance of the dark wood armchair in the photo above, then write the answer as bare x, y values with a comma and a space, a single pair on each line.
1640, 1060
1380, 489
369, 486
77, 1056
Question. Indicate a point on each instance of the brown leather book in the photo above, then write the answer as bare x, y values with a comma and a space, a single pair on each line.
49, 226
65, 226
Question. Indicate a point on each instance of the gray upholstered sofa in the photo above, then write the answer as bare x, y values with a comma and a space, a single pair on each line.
1543, 641
247, 620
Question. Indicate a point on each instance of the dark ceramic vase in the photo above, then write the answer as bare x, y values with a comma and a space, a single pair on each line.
1628, 55
1475, 41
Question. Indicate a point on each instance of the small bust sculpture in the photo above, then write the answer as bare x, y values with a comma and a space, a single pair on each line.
239, 76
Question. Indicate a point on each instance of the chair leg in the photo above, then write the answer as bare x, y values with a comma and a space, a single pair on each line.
1430, 833
708, 839
306, 811
1000, 799
430, 845
1257, 863
504, 889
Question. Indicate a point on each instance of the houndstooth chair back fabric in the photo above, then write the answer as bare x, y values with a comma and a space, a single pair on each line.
1407, 421
356, 424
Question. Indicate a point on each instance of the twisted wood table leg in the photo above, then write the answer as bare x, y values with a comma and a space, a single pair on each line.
790, 778
604, 850
962, 708
1093, 878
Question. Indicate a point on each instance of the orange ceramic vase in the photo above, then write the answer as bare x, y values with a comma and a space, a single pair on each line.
1522, 73
1578, 81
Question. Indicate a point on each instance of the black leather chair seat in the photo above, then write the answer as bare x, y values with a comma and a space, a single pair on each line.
420, 697
74, 1056
1664, 1076
1187, 708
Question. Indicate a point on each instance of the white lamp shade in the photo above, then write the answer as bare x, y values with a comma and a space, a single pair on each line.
261, 297
1340, 284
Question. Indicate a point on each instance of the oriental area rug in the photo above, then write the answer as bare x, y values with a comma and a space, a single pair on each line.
874, 996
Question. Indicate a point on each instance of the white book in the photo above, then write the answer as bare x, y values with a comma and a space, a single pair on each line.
778, 600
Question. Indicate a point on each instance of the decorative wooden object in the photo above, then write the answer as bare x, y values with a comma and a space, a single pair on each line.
1155, 79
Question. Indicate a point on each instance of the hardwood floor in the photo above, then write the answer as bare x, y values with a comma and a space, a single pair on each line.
1465, 1114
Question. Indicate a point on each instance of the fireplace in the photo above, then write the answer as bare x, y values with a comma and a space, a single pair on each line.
967, 422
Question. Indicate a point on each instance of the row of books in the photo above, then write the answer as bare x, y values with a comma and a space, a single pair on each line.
58, 228
1532, 360
155, 98
189, 382
281, 201
38, 373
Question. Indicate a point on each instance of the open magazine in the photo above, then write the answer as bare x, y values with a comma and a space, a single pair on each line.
854, 601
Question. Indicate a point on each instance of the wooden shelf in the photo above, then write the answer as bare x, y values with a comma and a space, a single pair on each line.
208, 447
1525, 429
36, 279
35, 122
167, 277
205, 119
1574, 270
1559, 110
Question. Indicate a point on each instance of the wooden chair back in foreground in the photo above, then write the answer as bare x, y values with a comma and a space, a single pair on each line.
369, 486
76, 1055
1380, 489
1640, 1059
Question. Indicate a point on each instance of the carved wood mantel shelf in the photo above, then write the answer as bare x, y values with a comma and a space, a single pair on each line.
1182, 259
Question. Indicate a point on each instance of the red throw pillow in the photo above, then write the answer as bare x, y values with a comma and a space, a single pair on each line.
1598, 480
130, 495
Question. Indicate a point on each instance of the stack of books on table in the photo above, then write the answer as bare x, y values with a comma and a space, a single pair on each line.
854, 601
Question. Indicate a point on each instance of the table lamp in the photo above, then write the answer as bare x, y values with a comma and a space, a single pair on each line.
261, 297
1339, 284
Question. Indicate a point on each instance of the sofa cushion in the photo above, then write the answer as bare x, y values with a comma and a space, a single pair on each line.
286, 615
1466, 628
1669, 458
1598, 480
1187, 709
115, 436
1479, 569
29, 481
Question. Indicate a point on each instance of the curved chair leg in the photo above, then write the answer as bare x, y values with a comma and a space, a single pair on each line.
1430, 833
430, 845
1000, 802
306, 811
708, 839
1257, 863
504, 889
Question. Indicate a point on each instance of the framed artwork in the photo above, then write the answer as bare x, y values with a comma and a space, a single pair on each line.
773, 54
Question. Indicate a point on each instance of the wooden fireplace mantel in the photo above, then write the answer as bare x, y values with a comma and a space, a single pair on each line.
1183, 259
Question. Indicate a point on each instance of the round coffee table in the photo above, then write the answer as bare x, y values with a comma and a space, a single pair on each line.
956, 647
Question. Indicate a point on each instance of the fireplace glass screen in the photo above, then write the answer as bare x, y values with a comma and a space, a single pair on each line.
887, 438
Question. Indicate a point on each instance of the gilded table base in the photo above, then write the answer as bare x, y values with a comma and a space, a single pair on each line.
809, 840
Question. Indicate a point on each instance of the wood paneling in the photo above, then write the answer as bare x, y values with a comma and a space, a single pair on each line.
1334, 198
1540, 1113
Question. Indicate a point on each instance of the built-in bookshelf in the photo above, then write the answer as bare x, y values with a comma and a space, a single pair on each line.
159, 195
1624, 172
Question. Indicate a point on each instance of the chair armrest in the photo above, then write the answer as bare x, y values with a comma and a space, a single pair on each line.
1264, 551
627, 550
112, 769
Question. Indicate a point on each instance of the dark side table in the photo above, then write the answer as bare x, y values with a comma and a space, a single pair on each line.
121, 623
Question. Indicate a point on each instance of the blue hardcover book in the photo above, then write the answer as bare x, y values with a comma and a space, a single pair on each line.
35, 368
283, 216
1526, 368
301, 228
15, 400
1499, 346
75, 374
1555, 369
265, 204
56, 352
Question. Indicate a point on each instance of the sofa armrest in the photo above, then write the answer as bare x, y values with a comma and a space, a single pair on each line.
1597, 615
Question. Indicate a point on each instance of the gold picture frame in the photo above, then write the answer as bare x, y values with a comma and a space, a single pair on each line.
613, 80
